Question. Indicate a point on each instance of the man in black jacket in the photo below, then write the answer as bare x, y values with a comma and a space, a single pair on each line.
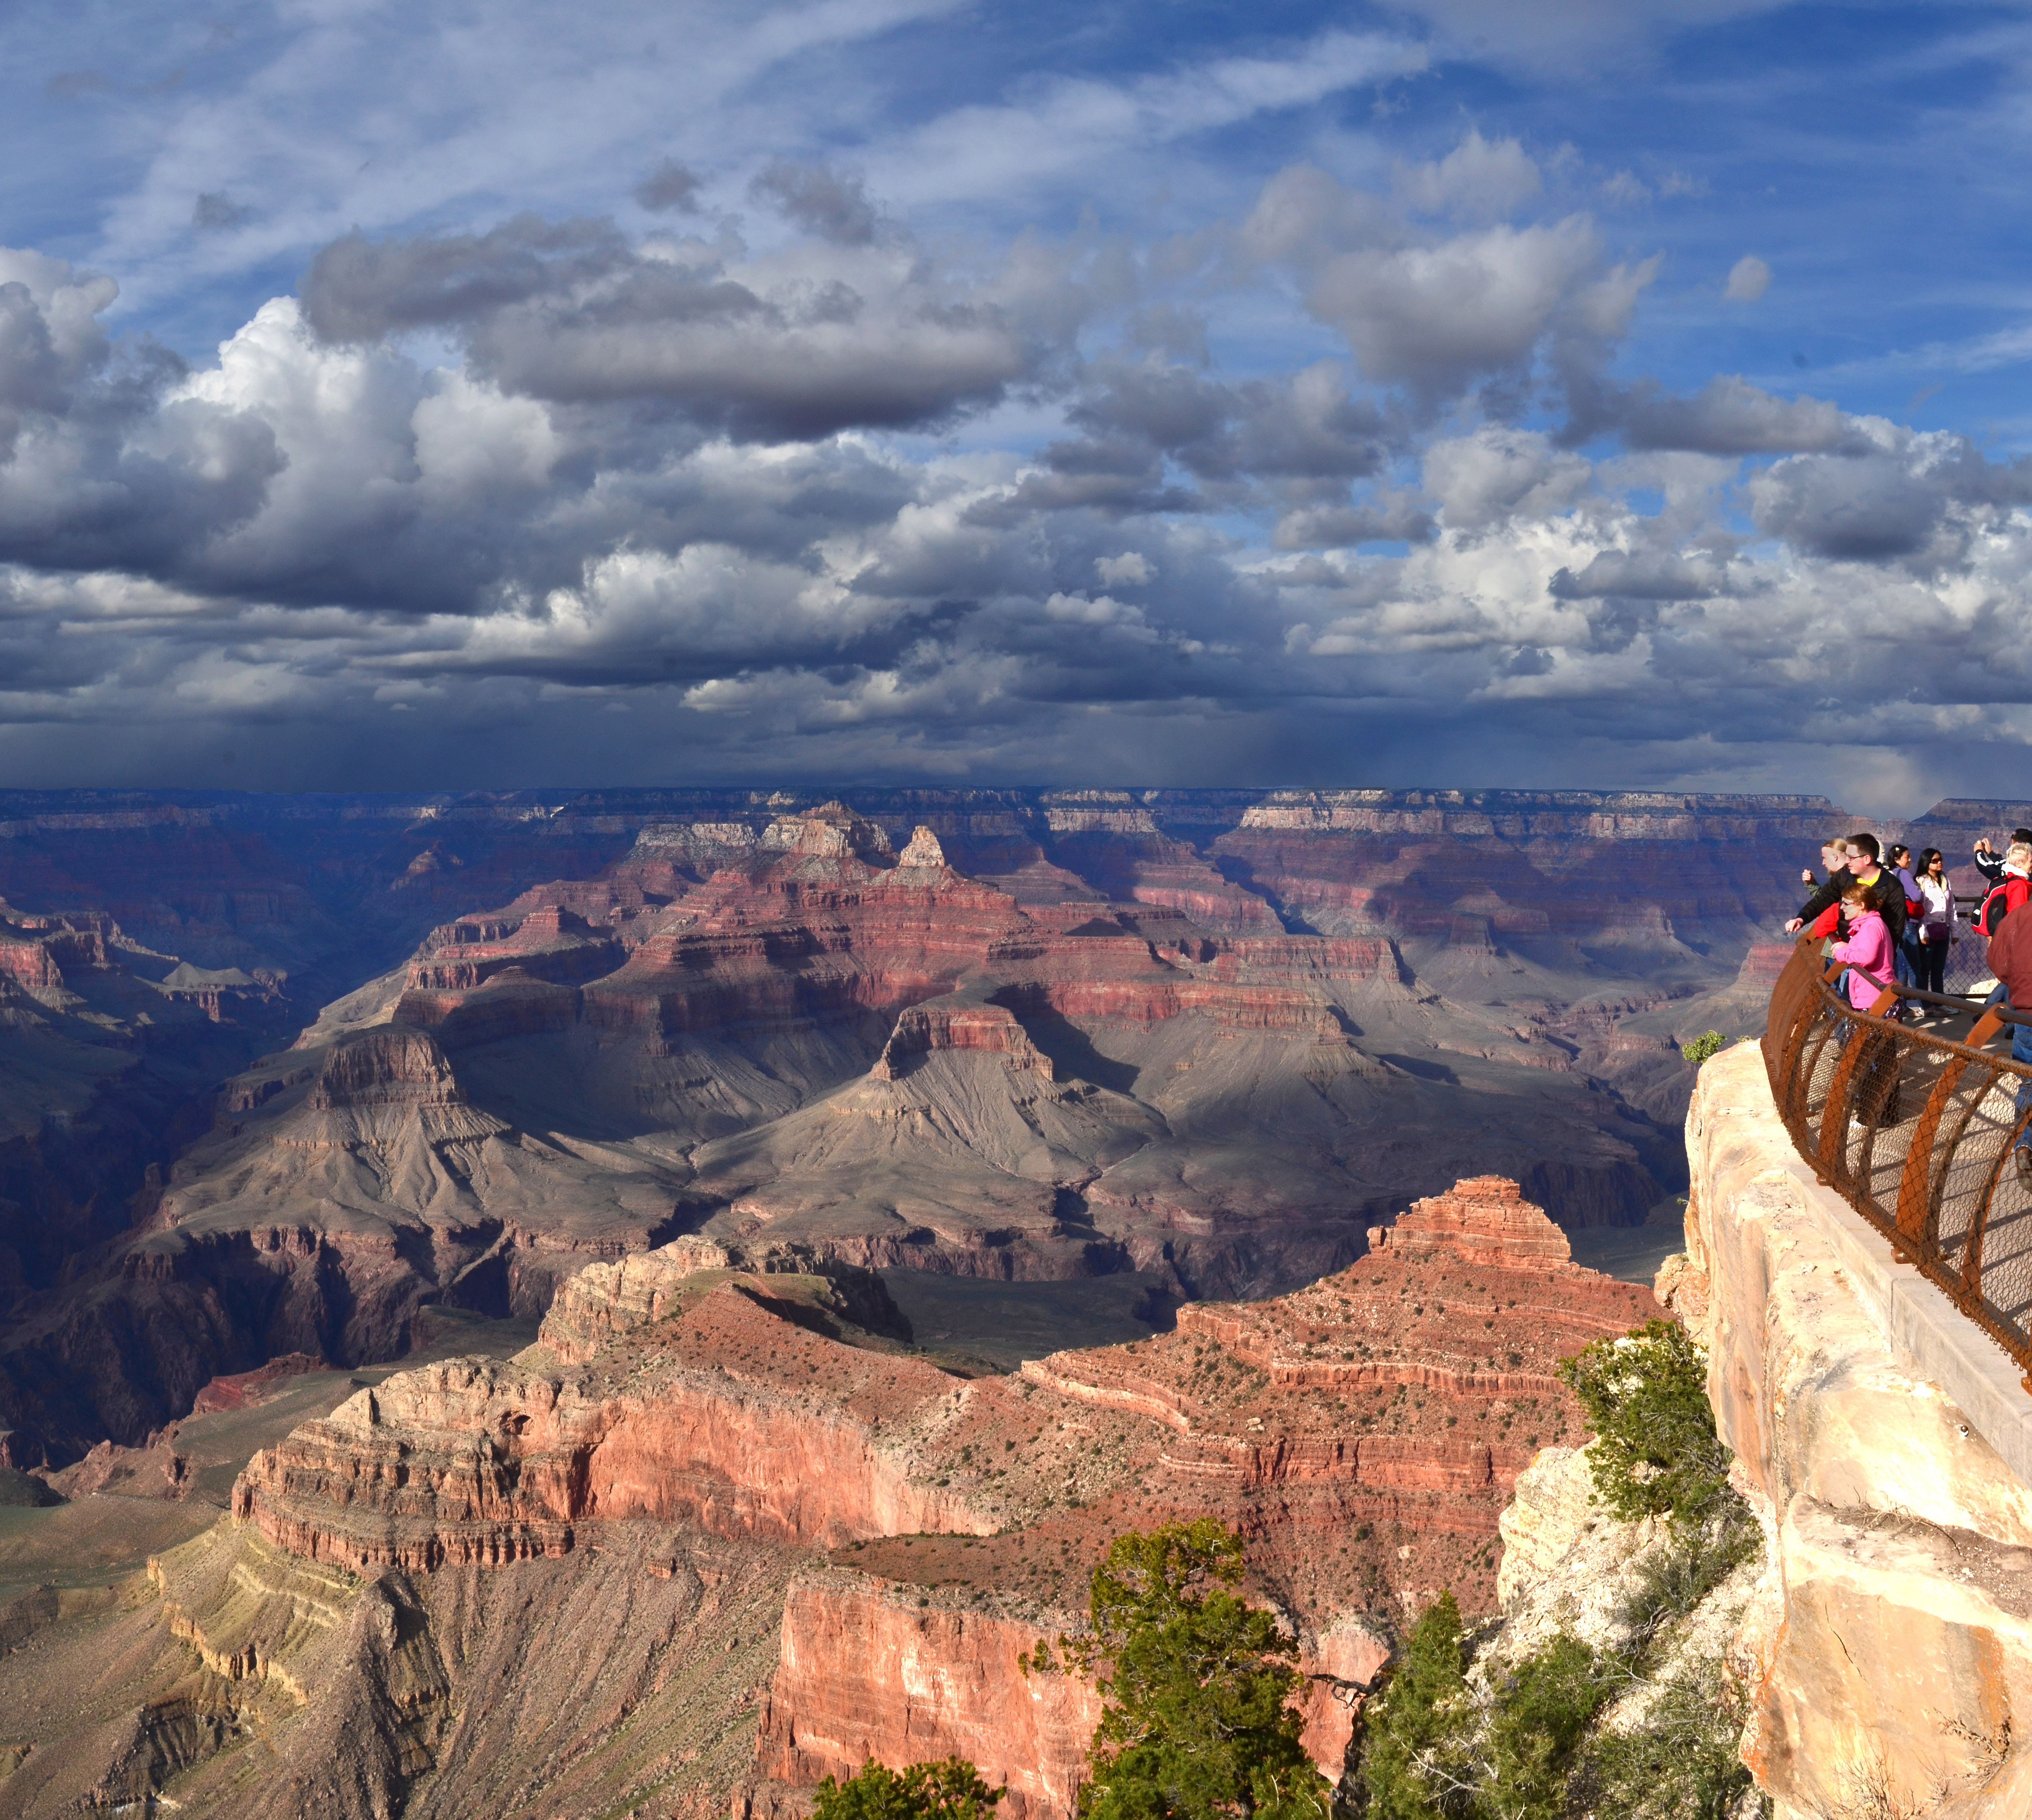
1989, 863
1862, 863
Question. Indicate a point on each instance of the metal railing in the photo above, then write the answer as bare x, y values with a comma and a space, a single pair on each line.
1915, 1129
1967, 959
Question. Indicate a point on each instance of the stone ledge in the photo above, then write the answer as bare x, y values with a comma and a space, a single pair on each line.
1927, 1334
1887, 1444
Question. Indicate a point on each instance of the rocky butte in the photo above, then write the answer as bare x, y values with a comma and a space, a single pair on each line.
799, 1543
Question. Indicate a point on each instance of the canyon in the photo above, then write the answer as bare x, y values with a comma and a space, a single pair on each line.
787, 1240
287, 1074
799, 1541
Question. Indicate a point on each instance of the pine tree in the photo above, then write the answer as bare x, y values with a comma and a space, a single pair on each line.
1196, 1720
1414, 1731
949, 1790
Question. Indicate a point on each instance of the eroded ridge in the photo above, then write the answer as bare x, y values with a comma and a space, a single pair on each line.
1363, 1433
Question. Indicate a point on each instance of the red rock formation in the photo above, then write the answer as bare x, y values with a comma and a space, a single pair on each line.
245, 1389
756, 1426
929, 1679
1362, 1433
1486, 1220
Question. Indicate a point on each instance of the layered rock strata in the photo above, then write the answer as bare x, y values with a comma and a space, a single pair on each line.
1362, 1433
1244, 1026
1891, 1651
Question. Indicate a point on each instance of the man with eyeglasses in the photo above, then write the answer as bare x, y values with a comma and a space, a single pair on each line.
1862, 864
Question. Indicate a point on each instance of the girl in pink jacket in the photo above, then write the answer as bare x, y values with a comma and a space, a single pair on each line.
1867, 949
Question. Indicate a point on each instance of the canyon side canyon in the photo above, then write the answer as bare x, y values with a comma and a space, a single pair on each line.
786, 1238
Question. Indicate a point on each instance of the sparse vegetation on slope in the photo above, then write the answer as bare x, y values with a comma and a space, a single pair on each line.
1639, 1728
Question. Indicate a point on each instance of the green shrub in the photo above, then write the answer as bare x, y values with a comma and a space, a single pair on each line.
1655, 1452
1709, 1044
1419, 1733
1696, 1558
949, 1790
1680, 1764
1196, 1719
1540, 1719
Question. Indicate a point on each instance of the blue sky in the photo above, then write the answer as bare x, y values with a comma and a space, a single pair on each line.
1451, 393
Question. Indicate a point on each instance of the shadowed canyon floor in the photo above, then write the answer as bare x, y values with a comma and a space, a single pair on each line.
797, 1542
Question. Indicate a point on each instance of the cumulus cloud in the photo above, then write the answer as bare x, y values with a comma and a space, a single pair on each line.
1918, 499
670, 188
812, 340
1729, 416
1435, 318
1439, 315
1497, 474
1749, 278
1479, 178
675, 500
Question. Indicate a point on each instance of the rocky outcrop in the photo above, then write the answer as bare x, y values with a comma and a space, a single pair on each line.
472, 1462
945, 1024
1364, 1434
875, 1669
606, 1303
1892, 1650
1484, 1220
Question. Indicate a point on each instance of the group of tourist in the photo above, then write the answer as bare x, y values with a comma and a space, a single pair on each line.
1887, 920
1890, 918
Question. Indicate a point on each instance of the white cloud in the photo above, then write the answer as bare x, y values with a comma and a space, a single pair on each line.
1436, 317
1496, 474
1070, 123
1749, 278
1130, 569
1479, 178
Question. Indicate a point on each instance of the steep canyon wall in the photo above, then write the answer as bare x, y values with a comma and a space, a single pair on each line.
1889, 1446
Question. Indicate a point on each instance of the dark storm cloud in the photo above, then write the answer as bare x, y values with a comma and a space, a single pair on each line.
821, 202
670, 188
101, 463
570, 313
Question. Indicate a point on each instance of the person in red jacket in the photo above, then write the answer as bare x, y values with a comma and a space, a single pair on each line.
2011, 960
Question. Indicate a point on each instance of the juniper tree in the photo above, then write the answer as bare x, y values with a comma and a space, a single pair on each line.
1196, 1685
1416, 1733
950, 1789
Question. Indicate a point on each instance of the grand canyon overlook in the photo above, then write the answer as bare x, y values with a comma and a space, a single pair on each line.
790, 1236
